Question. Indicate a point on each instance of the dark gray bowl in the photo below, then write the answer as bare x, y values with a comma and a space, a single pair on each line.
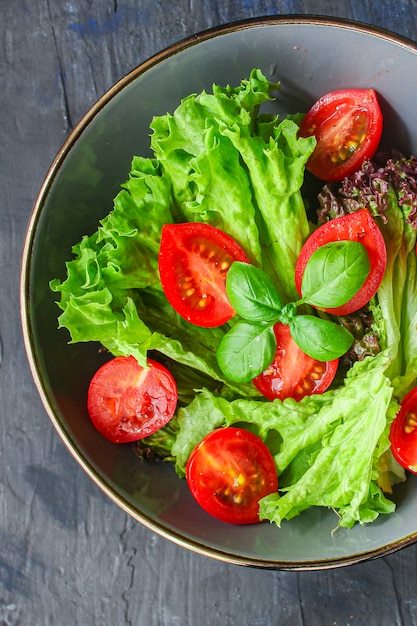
311, 56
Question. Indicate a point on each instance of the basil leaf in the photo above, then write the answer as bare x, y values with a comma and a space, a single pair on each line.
246, 350
321, 339
334, 273
252, 293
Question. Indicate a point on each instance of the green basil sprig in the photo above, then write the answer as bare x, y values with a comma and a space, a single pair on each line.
333, 275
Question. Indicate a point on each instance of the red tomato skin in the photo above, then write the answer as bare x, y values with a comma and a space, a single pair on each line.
224, 457
194, 282
293, 374
339, 119
403, 433
127, 402
358, 226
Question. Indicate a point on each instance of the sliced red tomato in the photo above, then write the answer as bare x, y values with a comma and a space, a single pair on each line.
127, 402
194, 259
293, 374
358, 226
347, 125
403, 433
228, 472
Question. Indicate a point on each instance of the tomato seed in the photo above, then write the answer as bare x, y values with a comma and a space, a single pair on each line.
352, 146
241, 480
411, 423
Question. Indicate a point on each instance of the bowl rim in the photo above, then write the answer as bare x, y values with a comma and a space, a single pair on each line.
25, 291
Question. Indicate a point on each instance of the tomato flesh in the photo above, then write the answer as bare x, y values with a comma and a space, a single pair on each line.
358, 226
403, 433
347, 125
293, 374
228, 472
194, 259
127, 402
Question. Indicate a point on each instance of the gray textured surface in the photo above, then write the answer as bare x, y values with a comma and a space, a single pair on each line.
69, 556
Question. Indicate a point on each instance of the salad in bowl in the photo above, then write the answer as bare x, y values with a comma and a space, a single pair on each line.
260, 338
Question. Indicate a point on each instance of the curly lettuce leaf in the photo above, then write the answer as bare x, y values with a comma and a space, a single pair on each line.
209, 183
342, 473
98, 294
180, 137
112, 292
240, 171
276, 169
328, 445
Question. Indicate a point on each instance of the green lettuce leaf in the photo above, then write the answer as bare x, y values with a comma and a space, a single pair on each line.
342, 473
276, 170
327, 446
98, 294
240, 171
395, 307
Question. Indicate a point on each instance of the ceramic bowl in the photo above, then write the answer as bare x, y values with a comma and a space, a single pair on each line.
310, 56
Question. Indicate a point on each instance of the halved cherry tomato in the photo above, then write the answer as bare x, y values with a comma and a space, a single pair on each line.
194, 259
127, 402
293, 374
358, 226
228, 472
347, 125
403, 433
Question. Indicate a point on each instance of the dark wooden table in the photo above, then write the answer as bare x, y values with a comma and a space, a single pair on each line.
68, 555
